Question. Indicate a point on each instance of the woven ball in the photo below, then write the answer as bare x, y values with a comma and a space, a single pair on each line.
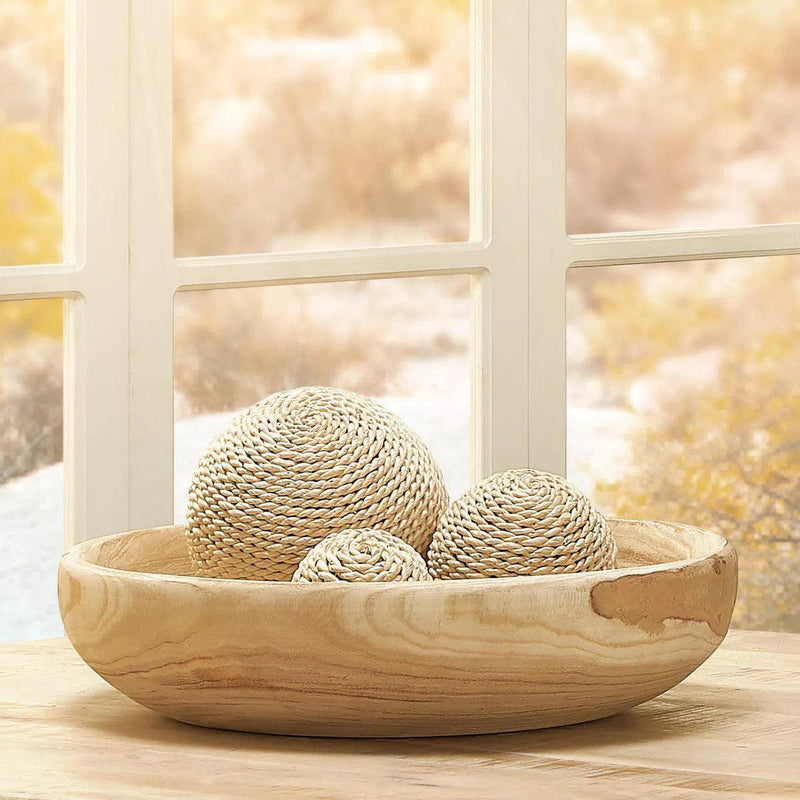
520, 522
298, 466
364, 554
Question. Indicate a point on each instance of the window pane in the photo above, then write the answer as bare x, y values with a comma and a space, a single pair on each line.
404, 342
31, 474
320, 124
682, 114
31, 101
684, 405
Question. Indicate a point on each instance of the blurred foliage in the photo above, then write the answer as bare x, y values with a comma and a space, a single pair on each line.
720, 452
332, 121
31, 92
30, 216
31, 403
30, 233
223, 368
21, 320
633, 337
352, 334
727, 458
682, 113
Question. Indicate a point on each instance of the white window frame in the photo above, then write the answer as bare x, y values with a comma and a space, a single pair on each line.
120, 275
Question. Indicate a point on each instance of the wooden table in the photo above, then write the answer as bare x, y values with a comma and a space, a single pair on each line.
732, 729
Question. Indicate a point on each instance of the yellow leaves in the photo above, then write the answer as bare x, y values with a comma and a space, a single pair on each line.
637, 327
30, 216
727, 458
723, 451
22, 319
30, 228
462, 6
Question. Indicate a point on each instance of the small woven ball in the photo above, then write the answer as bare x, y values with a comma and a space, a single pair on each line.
363, 554
298, 466
520, 522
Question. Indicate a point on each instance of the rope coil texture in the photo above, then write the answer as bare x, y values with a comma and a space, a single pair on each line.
361, 555
298, 466
520, 522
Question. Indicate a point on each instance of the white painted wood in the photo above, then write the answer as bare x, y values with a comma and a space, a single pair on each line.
628, 248
96, 395
93, 278
504, 286
263, 269
153, 273
548, 245
480, 58
28, 283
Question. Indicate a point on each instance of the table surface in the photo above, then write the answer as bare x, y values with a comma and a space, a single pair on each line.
732, 728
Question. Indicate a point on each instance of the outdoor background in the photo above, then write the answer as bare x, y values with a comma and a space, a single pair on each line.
323, 124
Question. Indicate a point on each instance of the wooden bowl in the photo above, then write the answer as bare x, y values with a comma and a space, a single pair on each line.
397, 659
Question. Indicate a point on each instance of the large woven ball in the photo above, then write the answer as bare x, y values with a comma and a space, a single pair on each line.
361, 555
298, 466
520, 522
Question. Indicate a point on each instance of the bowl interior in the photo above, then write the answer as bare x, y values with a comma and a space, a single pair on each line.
163, 551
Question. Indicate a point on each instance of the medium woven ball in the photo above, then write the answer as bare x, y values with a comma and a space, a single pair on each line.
298, 466
521, 522
363, 554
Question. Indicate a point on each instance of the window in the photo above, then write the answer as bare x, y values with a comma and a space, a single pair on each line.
195, 185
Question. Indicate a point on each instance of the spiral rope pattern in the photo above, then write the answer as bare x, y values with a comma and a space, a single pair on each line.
361, 555
520, 522
299, 466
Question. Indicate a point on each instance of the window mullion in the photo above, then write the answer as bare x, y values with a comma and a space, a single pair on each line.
549, 255
501, 340
759, 240
265, 269
152, 266
24, 283
96, 336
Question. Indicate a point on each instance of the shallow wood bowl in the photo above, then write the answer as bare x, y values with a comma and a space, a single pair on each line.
397, 659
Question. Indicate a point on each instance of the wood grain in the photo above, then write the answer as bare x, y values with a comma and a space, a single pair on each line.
730, 730
449, 657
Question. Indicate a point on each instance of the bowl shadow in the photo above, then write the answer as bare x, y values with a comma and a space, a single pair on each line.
106, 711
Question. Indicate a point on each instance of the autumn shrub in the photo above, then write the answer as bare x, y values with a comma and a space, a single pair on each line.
234, 347
680, 113
368, 145
720, 453
727, 458
31, 418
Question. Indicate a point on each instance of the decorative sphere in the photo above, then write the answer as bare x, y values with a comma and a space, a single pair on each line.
298, 466
520, 522
364, 554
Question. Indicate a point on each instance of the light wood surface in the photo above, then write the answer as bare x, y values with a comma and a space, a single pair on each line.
397, 659
730, 730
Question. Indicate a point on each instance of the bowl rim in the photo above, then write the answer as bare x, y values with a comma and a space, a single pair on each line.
75, 558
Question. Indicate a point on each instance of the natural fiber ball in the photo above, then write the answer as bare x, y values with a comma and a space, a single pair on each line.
520, 522
298, 466
361, 555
